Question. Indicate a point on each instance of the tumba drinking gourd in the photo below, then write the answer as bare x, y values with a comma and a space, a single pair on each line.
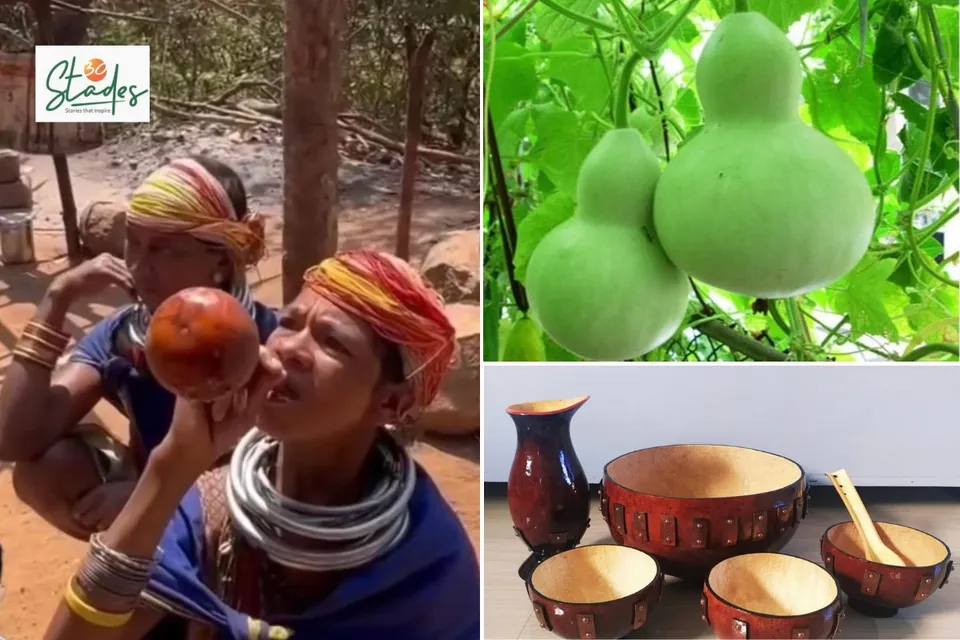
759, 203
599, 284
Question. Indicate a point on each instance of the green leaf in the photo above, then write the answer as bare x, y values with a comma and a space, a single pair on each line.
491, 320
510, 134
889, 166
685, 32
586, 77
555, 209
689, 107
861, 296
843, 92
782, 13
517, 33
554, 27
514, 79
562, 144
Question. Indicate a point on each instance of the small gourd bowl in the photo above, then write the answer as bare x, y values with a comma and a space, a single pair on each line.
595, 591
693, 505
881, 590
771, 595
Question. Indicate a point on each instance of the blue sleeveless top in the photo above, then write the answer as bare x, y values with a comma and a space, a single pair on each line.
151, 404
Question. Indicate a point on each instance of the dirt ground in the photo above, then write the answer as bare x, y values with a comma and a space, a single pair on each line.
37, 558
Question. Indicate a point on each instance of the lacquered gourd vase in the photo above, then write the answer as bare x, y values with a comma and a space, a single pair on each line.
547, 493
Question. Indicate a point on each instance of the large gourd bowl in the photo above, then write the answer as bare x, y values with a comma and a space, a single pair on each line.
595, 591
692, 506
771, 595
880, 590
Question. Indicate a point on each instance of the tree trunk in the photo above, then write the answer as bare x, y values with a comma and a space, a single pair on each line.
41, 10
311, 94
418, 75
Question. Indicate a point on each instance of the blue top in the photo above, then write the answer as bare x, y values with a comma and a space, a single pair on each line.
151, 404
426, 588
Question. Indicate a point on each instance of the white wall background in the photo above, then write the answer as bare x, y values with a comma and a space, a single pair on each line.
887, 425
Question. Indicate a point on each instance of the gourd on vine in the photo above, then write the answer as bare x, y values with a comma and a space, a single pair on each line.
599, 284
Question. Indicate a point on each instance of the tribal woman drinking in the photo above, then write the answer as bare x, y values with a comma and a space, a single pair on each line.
322, 526
187, 225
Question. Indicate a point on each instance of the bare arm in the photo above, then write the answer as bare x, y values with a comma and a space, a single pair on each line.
37, 407
198, 435
136, 532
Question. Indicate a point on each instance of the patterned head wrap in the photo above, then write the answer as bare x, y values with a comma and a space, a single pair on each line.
400, 306
184, 196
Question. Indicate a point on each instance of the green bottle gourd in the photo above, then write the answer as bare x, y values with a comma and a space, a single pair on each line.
759, 203
599, 283
524, 342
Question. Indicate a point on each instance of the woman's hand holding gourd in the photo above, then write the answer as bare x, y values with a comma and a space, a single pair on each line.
201, 433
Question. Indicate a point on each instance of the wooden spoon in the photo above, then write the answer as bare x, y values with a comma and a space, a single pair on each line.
874, 547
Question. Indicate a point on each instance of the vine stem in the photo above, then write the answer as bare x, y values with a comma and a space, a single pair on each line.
515, 18
942, 53
799, 328
663, 112
742, 6
579, 17
623, 89
504, 214
918, 179
927, 349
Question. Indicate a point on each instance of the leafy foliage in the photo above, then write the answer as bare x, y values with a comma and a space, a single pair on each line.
202, 48
552, 71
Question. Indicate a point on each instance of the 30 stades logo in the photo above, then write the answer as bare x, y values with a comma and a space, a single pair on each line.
92, 84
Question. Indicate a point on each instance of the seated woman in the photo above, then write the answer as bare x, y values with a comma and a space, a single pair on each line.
322, 526
187, 225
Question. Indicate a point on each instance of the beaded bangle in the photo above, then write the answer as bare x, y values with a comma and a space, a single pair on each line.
91, 614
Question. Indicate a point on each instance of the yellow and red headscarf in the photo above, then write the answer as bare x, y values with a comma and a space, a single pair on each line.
183, 196
402, 308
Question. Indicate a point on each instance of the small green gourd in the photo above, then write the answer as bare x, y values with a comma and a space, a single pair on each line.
599, 284
759, 203
524, 342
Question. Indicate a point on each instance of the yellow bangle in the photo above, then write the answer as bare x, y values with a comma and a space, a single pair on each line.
90, 614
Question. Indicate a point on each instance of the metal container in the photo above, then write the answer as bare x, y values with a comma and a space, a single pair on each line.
16, 237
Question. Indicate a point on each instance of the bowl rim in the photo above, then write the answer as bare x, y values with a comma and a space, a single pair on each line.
803, 474
826, 540
837, 600
658, 576
574, 402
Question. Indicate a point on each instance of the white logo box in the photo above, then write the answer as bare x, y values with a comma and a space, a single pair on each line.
99, 83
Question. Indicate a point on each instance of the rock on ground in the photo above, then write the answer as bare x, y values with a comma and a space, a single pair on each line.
452, 266
101, 227
9, 166
456, 410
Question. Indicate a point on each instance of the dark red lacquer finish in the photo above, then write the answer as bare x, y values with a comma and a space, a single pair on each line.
880, 590
732, 623
613, 619
689, 536
547, 492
